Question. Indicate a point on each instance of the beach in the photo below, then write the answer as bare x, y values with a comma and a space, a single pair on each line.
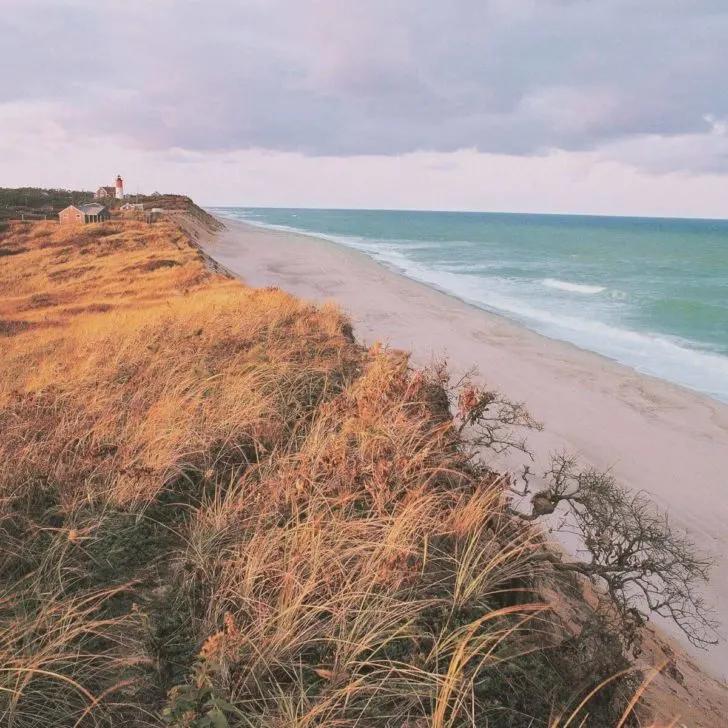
654, 436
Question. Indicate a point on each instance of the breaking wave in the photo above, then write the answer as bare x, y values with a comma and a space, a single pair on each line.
571, 287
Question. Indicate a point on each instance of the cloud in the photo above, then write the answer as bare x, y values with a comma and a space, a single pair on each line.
682, 153
634, 78
719, 127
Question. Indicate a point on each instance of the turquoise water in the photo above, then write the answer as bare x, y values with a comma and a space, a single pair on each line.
649, 293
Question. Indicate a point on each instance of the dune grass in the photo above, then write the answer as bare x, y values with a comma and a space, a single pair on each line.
216, 509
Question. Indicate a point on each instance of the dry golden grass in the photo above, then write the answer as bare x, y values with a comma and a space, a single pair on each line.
216, 509
141, 357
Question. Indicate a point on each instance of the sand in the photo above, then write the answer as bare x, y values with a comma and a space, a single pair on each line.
656, 437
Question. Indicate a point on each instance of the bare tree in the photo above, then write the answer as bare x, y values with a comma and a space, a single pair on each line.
645, 565
492, 420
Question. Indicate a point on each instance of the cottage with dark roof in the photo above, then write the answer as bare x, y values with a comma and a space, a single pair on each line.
83, 214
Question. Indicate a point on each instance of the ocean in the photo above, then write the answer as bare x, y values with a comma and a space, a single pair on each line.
649, 293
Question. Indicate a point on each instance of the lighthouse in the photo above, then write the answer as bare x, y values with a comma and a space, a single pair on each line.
119, 188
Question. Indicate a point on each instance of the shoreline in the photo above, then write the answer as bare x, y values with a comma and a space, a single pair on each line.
655, 436
523, 330
660, 356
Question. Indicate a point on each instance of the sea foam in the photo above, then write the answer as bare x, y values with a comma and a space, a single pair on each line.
571, 287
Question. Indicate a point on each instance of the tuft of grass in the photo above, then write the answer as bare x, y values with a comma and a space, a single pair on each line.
216, 509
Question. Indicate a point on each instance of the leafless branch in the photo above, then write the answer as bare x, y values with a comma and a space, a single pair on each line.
645, 564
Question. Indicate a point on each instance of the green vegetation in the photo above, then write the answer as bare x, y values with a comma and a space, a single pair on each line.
33, 203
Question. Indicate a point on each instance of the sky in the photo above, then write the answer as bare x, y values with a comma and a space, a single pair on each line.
578, 106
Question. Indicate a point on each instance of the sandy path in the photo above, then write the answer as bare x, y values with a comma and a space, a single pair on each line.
657, 437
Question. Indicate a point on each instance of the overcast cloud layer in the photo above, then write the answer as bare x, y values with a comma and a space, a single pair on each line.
346, 77
523, 104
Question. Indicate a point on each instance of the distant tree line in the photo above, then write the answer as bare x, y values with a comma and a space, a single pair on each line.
35, 202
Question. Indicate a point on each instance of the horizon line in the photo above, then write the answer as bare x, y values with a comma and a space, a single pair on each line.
471, 212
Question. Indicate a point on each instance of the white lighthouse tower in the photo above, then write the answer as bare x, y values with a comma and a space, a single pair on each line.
119, 188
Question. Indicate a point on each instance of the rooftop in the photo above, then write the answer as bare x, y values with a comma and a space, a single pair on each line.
92, 208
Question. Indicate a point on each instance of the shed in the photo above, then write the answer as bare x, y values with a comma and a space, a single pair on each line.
83, 214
